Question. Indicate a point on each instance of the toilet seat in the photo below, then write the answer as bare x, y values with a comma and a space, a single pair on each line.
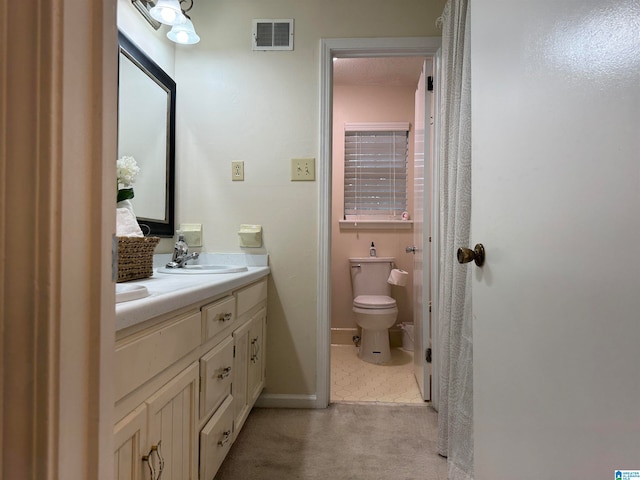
374, 302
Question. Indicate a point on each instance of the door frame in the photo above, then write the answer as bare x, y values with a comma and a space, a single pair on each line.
344, 48
57, 316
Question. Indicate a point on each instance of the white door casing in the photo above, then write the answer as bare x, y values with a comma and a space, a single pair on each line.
344, 48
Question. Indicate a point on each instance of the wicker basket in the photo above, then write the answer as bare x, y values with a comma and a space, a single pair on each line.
135, 257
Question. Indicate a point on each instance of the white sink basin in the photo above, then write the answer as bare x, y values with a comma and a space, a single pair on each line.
130, 291
202, 269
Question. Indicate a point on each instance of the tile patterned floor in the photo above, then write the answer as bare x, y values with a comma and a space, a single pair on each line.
353, 380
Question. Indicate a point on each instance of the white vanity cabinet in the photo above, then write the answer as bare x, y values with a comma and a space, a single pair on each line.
250, 364
185, 383
159, 436
249, 341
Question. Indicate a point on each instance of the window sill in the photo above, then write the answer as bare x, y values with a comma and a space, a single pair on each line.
375, 224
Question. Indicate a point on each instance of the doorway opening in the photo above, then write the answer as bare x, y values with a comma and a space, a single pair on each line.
373, 204
352, 70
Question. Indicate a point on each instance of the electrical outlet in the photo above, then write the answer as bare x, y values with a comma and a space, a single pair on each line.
237, 171
303, 169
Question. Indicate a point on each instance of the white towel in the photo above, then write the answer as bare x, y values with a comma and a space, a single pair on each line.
126, 224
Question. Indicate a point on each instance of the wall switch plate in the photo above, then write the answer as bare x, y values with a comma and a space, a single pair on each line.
192, 234
303, 169
237, 171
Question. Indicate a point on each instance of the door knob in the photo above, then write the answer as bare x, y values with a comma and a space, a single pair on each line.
465, 255
410, 249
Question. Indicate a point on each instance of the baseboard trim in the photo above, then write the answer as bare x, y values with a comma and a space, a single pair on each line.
343, 336
275, 400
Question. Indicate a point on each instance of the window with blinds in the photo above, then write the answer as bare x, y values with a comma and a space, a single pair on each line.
375, 171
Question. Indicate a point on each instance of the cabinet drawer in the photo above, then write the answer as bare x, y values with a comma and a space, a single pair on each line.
249, 297
215, 440
218, 316
216, 374
144, 357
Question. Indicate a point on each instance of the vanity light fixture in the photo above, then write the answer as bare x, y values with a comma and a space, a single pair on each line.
168, 12
184, 33
144, 7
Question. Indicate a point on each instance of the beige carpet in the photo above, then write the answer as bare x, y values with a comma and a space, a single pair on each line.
344, 441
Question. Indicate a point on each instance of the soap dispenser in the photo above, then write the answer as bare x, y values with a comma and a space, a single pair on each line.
372, 250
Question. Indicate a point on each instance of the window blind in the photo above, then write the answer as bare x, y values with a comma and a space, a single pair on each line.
375, 173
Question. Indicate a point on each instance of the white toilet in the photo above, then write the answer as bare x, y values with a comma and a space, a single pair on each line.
374, 309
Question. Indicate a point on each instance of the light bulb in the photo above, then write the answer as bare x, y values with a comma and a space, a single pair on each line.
168, 12
168, 15
184, 33
182, 37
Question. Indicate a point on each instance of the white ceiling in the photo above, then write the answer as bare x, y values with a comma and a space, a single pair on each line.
379, 71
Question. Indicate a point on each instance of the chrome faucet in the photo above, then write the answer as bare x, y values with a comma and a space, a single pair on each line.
181, 253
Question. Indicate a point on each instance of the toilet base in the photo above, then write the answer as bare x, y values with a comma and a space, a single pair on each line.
374, 346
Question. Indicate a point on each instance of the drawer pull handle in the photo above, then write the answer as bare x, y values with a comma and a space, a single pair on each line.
225, 372
152, 473
225, 317
147, 458
255, 349
161, 458
226, 436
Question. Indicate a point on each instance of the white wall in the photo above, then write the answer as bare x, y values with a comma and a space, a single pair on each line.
263, 108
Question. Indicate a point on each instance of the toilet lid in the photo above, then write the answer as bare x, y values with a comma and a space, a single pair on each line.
374, 301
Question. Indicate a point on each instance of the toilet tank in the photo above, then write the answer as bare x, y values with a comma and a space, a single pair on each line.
369, 275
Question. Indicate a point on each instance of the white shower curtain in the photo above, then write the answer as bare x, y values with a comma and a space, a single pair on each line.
455, 414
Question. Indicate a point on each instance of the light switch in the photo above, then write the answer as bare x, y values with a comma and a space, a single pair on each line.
237, 171
303, 169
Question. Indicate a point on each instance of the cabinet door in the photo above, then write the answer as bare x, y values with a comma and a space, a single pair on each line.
172, 417
130, 440
257, 328
240, 366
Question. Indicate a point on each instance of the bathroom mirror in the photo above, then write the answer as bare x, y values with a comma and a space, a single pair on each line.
146, 132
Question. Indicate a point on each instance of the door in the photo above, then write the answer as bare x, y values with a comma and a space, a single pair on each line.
556, 190
421, 232
256, 374
240, 371
172, 417
130, 442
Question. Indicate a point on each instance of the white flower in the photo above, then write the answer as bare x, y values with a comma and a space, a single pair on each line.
127, 169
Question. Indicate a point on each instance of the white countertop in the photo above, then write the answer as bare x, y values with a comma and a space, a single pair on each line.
168, 292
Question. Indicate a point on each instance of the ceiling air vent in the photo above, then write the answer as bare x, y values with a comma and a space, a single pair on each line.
273, 34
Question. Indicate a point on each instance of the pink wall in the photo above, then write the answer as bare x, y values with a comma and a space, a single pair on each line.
361, 104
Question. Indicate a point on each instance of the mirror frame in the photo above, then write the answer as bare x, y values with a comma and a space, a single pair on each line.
157, 227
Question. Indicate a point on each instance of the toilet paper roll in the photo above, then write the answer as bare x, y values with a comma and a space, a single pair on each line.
398, 277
